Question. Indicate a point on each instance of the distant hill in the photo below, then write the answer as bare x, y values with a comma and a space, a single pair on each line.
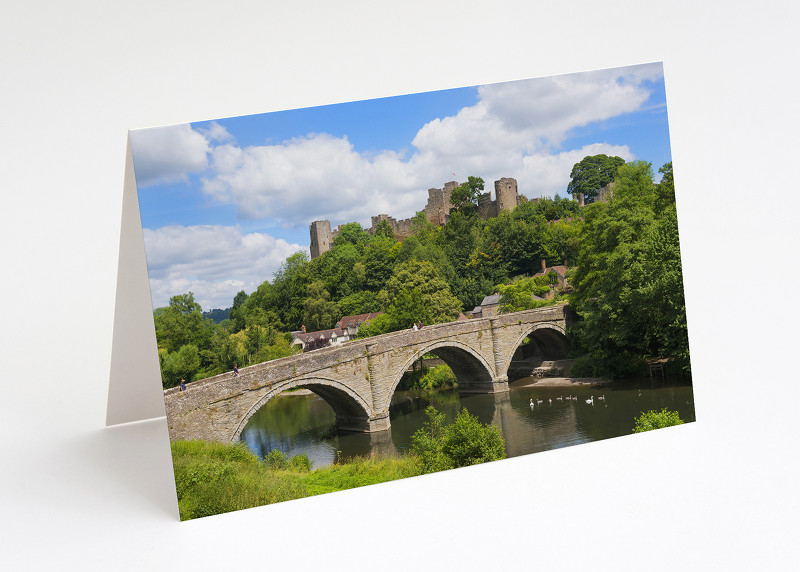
217, 315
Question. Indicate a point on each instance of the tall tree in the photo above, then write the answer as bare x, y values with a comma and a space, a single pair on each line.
628, 285
464, 198
592, 174
422, 278
319, 311
237, 314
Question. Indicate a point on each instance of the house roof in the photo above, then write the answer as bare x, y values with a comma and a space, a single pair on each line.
561, 270
493, 299
316, 335
356, 320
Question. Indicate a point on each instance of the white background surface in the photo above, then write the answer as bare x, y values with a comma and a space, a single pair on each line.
718, 494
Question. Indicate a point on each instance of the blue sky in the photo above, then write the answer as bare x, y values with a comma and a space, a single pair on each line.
224, 202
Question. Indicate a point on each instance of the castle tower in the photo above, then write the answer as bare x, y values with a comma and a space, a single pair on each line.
505, 191
438, 208
320, 231
486, 206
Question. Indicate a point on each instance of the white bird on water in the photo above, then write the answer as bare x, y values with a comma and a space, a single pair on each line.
590, 401
602, 397
539, 401
531, 402
559, 398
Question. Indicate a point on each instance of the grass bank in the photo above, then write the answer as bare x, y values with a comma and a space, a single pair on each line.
213, 478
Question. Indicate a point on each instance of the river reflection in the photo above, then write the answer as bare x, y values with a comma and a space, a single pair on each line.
306, 424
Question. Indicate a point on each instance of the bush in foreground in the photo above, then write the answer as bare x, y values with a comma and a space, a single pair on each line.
650, 420
465, 442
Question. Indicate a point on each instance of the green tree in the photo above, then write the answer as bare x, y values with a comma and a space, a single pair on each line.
592, 174
468, 442
628, 284
426, 443
181, 364
379, 260
237, 313
384, 229
288, 290
180, 323
319, 311
352, 233
650, 420
464, 198
519, 294
437, 301
362, 302
465, 442
665, 190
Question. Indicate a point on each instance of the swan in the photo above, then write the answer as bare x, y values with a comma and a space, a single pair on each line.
590, 401
559, 398
539, 401
602, 397
531, 402
551, 401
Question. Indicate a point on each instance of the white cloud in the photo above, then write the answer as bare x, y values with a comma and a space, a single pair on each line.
213, 262
544, 175
514, 130
169, 154
306, 178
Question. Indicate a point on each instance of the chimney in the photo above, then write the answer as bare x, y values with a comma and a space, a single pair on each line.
303, 328
544, 266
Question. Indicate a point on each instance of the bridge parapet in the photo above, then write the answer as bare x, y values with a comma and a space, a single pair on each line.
359, 377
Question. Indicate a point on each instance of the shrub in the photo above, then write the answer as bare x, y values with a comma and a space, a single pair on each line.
300, 463
468, 442
276, 459
465, 442
650, 420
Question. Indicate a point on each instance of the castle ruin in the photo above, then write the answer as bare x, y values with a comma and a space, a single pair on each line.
437, 211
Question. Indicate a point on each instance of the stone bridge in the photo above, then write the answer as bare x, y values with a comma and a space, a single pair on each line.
358, 378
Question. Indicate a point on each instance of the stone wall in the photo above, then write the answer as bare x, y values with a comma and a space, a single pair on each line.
437, 211
400, 228
358, 378
321, 239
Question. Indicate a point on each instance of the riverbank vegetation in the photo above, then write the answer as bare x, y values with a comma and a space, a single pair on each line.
212, 478
650, 420
624, 279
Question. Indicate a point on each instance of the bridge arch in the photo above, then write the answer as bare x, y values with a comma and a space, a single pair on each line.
549, 338
350, 408
468, 365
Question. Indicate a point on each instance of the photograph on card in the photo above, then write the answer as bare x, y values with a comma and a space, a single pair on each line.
355, 293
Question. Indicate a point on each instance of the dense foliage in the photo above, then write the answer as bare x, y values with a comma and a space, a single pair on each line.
626, 281
629, 282
592, 174
213, 478
650, 420
464, 442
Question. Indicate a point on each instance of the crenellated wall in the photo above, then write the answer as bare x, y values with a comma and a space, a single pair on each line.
437, 211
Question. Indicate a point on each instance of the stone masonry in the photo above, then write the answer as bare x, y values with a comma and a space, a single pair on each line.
437, 211
358, 378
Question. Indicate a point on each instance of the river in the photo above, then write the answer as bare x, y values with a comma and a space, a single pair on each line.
306, 424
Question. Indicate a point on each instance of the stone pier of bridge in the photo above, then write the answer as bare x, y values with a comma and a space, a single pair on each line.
358, 378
